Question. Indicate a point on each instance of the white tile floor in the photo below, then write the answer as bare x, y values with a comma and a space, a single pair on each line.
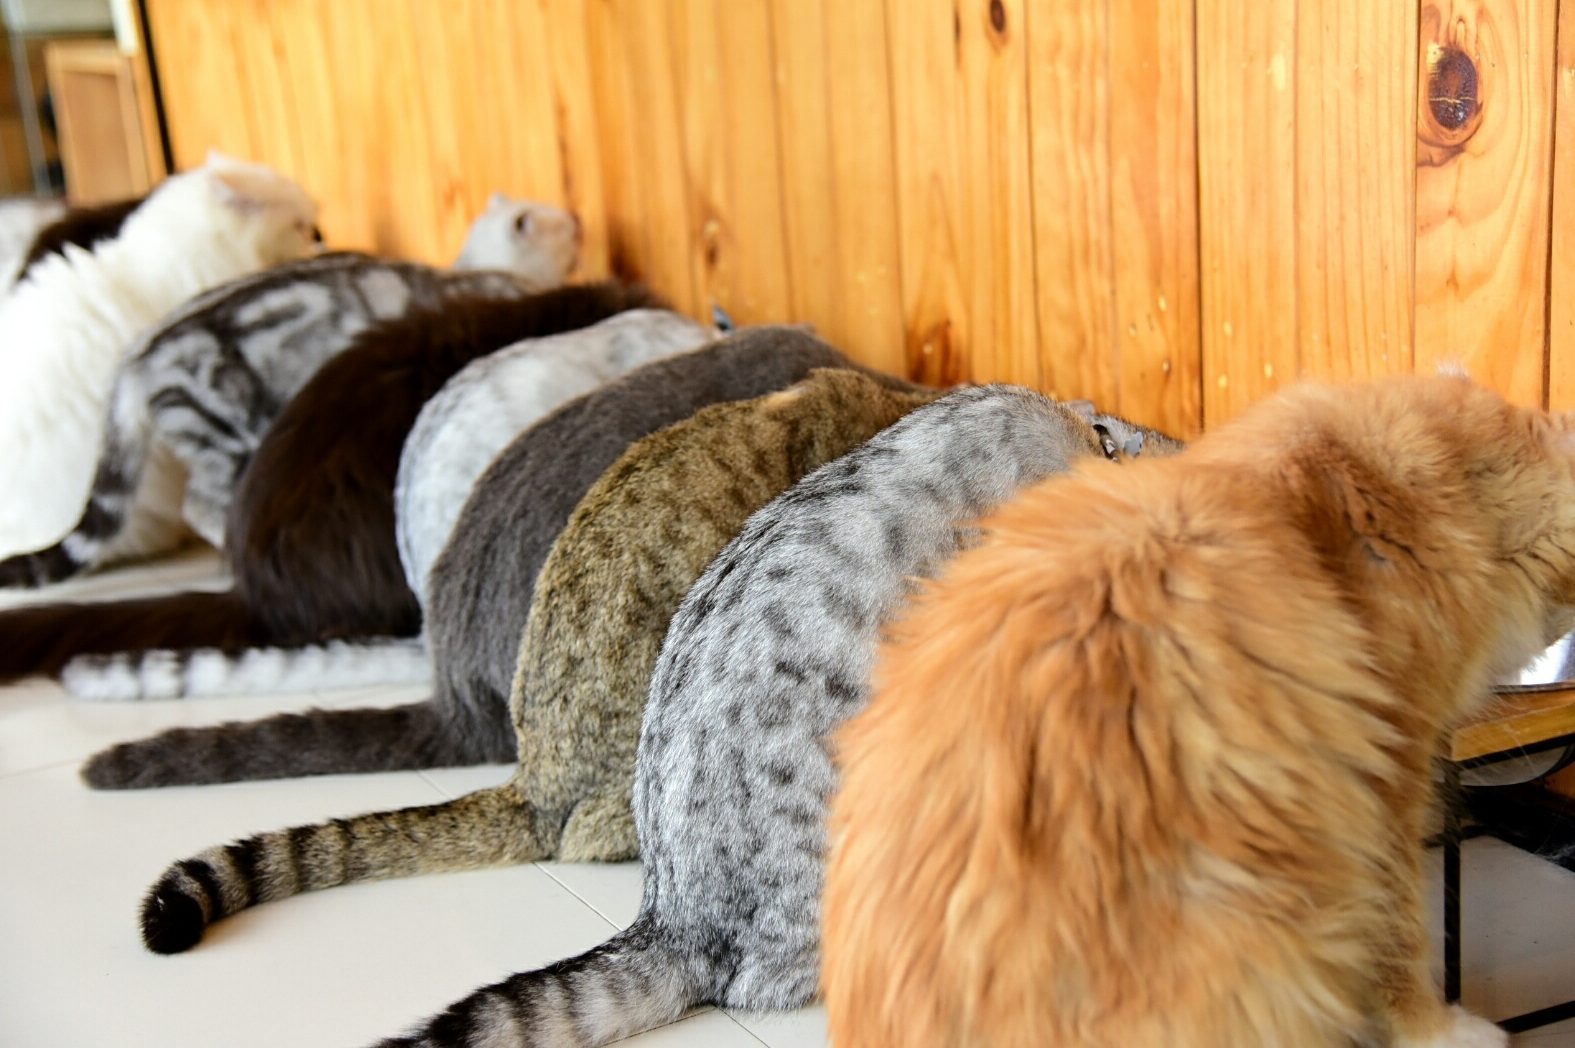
347, 966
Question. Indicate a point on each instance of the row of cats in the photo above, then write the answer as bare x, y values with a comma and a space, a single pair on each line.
990, 719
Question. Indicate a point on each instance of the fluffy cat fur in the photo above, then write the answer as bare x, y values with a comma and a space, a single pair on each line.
66, 327
21, 220
193, 399
485, 406
765, 656
1150, 764
632, 548
481, 585
83, 226
461, 429
310, 534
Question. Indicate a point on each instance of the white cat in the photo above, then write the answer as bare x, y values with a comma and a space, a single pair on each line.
65, 329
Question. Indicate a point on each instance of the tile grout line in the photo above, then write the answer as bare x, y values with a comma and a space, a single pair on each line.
14, 772
583, 900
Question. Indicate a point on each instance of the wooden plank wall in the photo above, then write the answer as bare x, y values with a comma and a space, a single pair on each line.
1170, 206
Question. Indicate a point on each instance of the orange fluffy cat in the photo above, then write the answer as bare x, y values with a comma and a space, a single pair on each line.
1148, 766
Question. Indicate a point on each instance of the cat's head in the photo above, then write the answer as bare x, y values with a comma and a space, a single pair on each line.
252, 206
537, 242
1515, 467
1120, 439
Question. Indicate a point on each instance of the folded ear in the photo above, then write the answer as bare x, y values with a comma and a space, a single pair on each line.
236, 187
1084, 409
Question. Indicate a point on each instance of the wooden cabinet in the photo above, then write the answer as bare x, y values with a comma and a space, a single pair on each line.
104, 119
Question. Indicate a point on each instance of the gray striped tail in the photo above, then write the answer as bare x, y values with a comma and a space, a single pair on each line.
637, 980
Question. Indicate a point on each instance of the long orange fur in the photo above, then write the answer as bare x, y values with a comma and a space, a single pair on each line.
1149, 764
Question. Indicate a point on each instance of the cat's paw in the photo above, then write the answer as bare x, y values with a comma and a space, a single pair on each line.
1464, 1031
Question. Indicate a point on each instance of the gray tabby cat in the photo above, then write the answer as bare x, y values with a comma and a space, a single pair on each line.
768, 653
479, 591
492, 400
620, 568
196, 397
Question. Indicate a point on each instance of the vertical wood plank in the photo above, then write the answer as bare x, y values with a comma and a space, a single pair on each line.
1485, 86
1561, 274
648, 219
1355, 183
1154, 212
960, 90
839, 212
725, 70
1069, 98
1247, 200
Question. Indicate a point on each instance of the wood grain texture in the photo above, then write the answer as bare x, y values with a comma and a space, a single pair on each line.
1515, 721
1154, 213
1069, 98
1247, 201
960, 120
1355, 158
638, 124
1170, 207
1482, 188
726, 79
839, 213
1561, 258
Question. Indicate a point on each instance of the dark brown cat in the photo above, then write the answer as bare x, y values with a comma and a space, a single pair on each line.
311, 530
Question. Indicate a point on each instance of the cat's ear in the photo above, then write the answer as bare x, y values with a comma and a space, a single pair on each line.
237, 188
1083, 409
1562, 423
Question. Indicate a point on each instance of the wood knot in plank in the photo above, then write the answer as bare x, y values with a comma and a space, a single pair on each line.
1452, 89
1460, 62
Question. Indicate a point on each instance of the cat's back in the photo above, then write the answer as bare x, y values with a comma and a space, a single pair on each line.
492, 399
522, 500
1110, 737
851, 532
657, 516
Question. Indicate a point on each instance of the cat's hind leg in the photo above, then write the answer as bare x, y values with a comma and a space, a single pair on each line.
1417, 1013
601, 828
208, 492
1462, 1030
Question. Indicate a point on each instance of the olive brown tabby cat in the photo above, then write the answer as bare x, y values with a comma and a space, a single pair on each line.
1150, 763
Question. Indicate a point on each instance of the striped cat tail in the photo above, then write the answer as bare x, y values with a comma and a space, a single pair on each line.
203, 672
121, 460
635, 981
491, 827
42, 638
288, 745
